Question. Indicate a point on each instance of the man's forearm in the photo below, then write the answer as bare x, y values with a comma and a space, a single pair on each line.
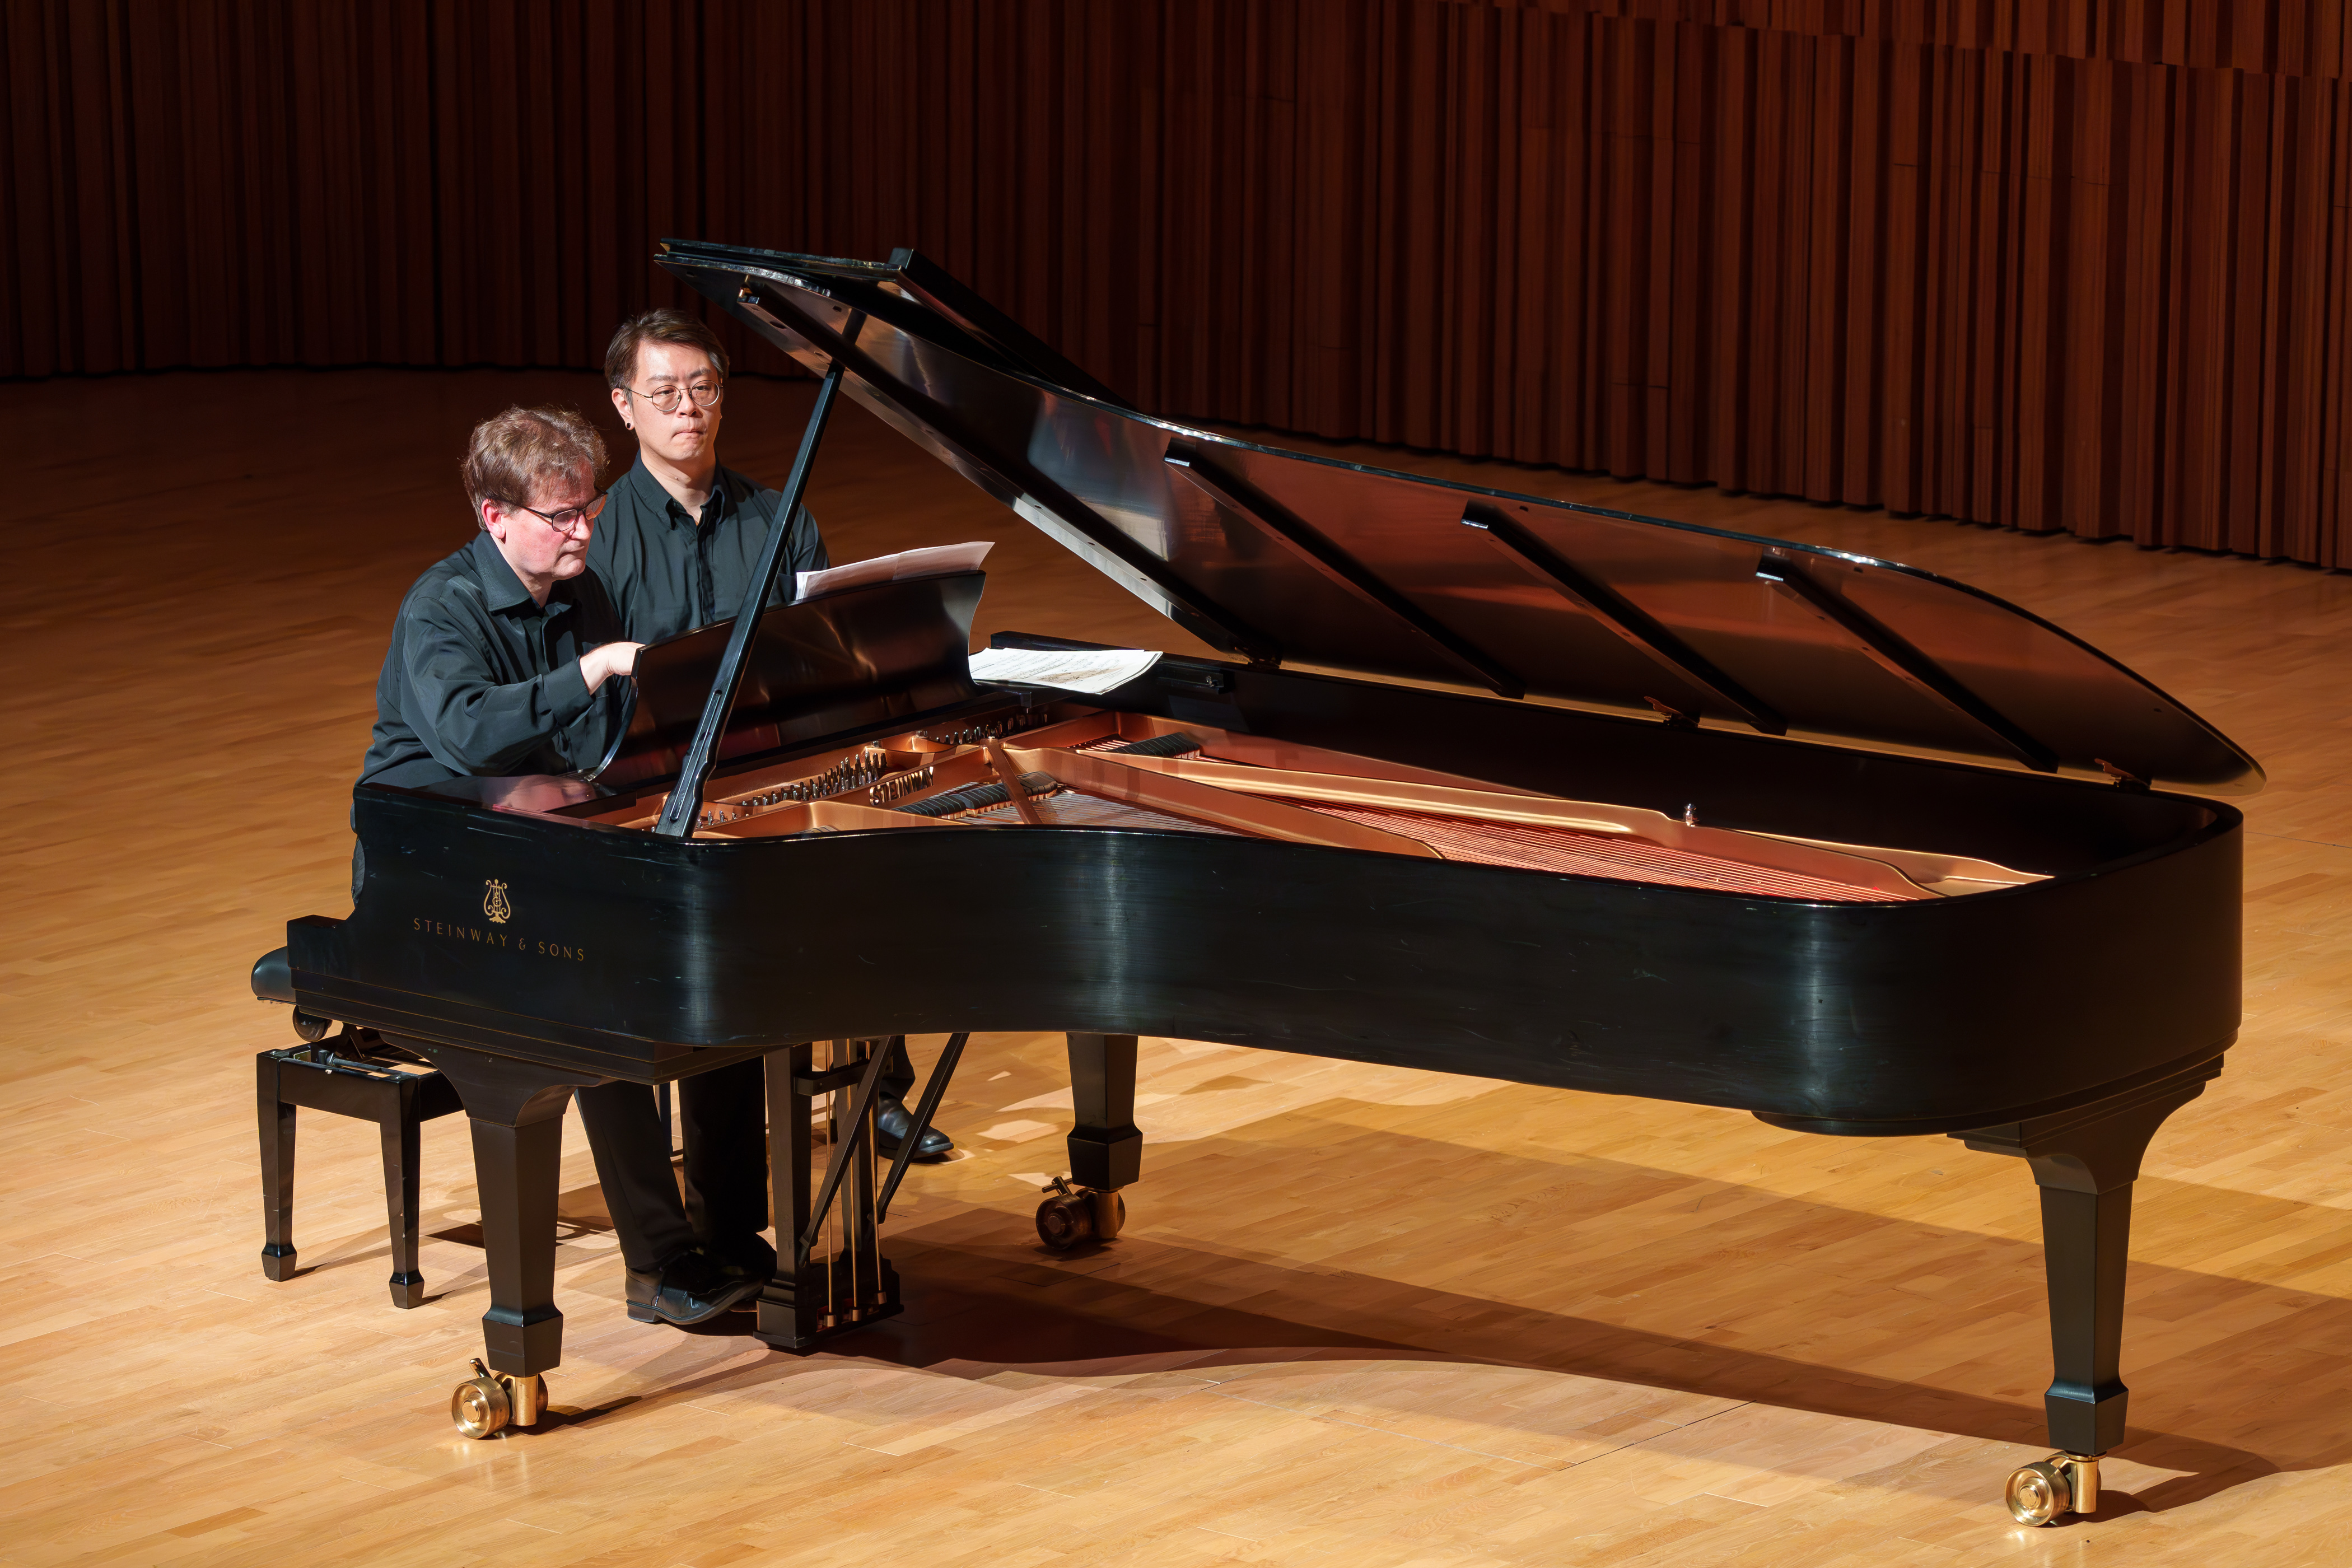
481, 728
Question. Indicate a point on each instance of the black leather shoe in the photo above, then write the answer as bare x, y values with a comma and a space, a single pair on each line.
692, 1288
892, 1121
746, 1254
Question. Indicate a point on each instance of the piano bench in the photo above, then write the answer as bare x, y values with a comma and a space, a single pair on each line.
352, 1074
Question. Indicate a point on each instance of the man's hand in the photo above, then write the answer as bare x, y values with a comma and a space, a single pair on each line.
608, 659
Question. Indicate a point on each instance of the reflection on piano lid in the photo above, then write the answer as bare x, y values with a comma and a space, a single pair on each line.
1299, 562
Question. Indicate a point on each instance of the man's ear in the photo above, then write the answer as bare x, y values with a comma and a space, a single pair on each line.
494, 521
621, 406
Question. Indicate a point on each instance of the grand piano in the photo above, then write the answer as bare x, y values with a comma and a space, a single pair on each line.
1482, 784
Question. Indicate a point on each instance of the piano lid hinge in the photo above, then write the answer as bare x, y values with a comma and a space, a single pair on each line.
2123, 778
1675, 716
1197, 679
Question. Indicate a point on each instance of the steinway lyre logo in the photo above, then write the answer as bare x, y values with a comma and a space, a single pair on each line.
494, 901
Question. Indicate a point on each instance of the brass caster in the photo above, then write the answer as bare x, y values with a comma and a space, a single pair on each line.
1073, 1216
2062, 1483
489, 1401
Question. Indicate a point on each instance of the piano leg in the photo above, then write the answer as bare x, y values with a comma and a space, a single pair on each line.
516, 1109
2084, 1161
1106, 1149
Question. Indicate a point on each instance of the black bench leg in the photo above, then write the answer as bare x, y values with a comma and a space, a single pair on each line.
276, 1171
401, 1145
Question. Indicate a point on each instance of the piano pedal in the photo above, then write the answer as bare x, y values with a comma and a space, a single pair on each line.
1073, 1216
489, 1401
2062, 1483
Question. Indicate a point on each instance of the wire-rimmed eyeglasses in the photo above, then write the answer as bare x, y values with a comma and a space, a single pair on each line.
569, 519
706, 394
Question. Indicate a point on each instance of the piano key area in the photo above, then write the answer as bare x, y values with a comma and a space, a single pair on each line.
1359, 1315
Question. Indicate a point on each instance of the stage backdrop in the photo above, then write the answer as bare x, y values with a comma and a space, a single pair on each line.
2062, 264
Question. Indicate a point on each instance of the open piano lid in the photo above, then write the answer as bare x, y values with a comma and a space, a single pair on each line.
1286, 559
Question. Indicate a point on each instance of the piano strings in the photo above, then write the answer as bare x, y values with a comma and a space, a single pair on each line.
1177, 780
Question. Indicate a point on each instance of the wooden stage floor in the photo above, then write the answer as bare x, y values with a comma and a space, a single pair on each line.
1361, 1316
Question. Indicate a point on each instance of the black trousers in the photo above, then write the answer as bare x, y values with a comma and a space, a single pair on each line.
723, 1115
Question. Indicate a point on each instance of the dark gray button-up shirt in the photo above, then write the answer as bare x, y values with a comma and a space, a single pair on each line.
670, 572
480, 679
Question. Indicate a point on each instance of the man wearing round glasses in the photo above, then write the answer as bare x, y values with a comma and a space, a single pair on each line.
683, 535
678, 544
503, 655
504, 661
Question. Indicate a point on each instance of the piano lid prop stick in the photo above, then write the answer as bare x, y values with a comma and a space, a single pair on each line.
925, 1109
685, 803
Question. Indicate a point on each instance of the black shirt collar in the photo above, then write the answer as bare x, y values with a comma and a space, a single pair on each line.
503, 591
650, 494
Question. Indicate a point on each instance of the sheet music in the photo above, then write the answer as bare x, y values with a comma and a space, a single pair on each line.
1089, 670
932, 561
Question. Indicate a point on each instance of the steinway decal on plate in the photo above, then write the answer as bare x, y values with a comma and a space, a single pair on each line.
504, 941
495, 902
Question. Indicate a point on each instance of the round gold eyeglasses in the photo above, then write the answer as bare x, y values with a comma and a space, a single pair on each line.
706, 394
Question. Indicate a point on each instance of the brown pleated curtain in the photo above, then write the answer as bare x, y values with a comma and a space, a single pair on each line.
2060, 264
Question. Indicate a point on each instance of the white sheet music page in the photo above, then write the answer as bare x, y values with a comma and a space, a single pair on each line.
1093, 671
932, 561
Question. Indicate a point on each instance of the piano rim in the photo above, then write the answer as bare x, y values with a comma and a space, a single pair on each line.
481, 1032
650, 1058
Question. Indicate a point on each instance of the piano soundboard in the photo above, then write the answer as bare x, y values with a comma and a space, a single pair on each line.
1140, 772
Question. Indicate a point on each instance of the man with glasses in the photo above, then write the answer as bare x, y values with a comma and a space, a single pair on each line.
684, 534
503, 653
677, 547
505, 660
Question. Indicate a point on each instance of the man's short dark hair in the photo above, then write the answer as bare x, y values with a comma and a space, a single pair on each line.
662, 326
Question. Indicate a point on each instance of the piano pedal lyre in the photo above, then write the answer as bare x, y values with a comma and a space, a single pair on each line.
1073, 1216
489, 1401
2062, 1483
